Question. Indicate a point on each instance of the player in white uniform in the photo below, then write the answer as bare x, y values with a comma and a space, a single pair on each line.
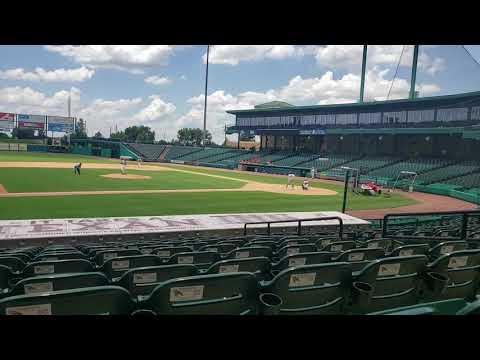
290, 180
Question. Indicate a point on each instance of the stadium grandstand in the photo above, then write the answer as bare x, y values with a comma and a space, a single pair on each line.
289, 263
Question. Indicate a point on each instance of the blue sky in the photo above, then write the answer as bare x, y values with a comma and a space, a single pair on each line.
162, 86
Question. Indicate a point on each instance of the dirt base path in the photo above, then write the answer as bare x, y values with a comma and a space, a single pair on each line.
426, 203
2, 189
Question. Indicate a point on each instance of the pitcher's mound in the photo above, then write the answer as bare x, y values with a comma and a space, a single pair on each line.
126, 176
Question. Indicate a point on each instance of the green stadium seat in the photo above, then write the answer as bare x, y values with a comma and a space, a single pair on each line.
60, 256
5, 277
57, 267
339, 246
385, 244
44, 284
218, 294
444, 307
116, 267
409, 250
100, 300
201, 259
270, 243
104, 255
258, 266
168, 251
250, 251
13, 262
195, 245
293, 242
141, 281
360, 257
307, 258
395, 281
462, 268
22, 256
294, 249
447, 247
312, 289
220, 248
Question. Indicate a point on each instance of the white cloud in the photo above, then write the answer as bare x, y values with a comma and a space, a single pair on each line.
58, 75
429, 65
121, 57
157, 80
234, 54
183, 77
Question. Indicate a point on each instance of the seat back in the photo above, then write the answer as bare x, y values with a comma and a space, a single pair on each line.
308, 258
201, 259
141, 281
445, 307
116, 267
409, 250
14, 263
44, 284
250, 251
339, 246
168, 251
57, 267
219, 248
395, 281
312, 289
104, 255
447, 247
295, 249
100, 300
217, 294
360, 257
258, 266
60, 256
463, 271
5, 276
385, 244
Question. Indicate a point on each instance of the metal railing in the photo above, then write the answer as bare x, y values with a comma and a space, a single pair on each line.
299, 226
465, 215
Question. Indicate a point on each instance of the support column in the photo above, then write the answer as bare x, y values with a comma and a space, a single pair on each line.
364, 63
414, 72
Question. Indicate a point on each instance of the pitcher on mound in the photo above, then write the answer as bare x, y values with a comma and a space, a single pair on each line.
290, 181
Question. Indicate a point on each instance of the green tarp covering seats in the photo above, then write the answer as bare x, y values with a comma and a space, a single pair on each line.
141, 281
250, 251
43, 284
57, 267
308, 258
218, 294
116, 267
462, 268
105, 255
258, 266
312, 289
360, 257
100, 300
395, 281
14, 263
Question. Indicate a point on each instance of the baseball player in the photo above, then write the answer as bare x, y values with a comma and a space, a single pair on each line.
290, 181
76, 168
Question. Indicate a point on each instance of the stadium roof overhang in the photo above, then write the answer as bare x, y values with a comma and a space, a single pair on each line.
387, 105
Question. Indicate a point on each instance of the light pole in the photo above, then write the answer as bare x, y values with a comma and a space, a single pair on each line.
345, 188
205, 107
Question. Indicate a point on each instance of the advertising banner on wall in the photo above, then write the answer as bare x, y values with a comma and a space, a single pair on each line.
60, 124
36, 122
6, 121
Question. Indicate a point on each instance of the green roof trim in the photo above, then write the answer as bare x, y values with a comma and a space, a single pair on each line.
273, 105
360, 105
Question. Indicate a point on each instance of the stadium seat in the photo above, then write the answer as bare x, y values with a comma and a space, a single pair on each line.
14, 263
385, 244
59, 256
294, 249
258, 266
44, 284
57, 267
462, 269
312, 289
444, 307
307, 258
339, 246
217, 294
104, 255
201, 259
100, 300
116, 267
141, 281
168, 251
409, 250
447, 247
395, 282
220, 248
5, 277
250, 251
360, 257
19, 255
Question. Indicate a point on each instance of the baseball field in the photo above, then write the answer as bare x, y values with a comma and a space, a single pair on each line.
43, 185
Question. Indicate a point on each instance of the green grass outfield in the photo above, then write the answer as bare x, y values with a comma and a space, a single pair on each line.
21, 180
55, 157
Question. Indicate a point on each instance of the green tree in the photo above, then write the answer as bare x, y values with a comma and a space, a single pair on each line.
23, 133
189, 136
80, 130
98, 135
141, 134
